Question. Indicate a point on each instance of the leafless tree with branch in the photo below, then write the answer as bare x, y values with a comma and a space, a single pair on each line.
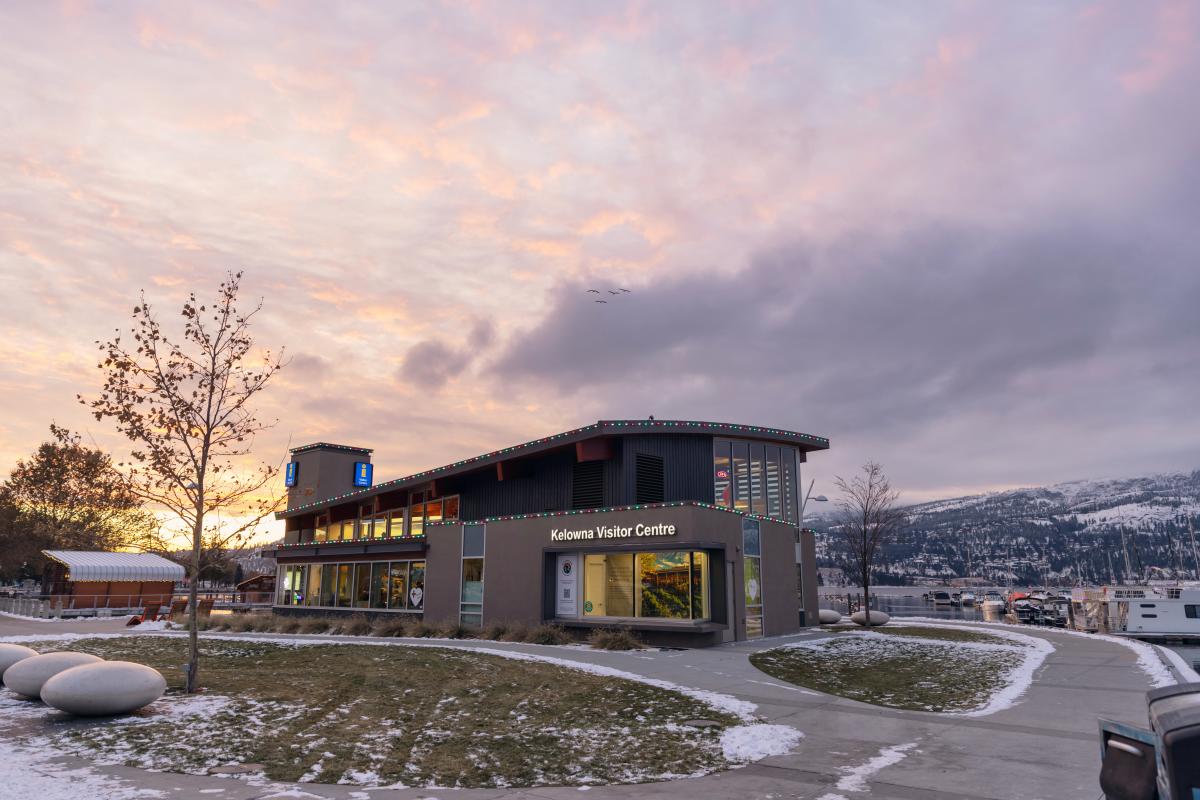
185, 404
868, 518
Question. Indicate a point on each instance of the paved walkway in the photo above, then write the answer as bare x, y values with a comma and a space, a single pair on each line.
1043, 747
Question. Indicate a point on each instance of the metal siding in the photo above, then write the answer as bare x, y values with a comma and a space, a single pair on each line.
687, 466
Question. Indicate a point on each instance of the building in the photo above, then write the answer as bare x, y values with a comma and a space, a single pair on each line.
78, 579
686, 532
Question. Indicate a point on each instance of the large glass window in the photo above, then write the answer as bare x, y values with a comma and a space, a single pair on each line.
312, 593
362, 585
345, 574
752, 576
398, 580
379, 585
755, 478
416, 516
758, 500
774, 495
722, 474
416, 585
741, 476
328, 581
668, 585
321, 530
396, 523
471, 599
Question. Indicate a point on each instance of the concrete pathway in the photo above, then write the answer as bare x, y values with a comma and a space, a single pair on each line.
1043, 747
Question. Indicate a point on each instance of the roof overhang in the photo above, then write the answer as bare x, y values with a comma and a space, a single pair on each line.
804, 442
84, 565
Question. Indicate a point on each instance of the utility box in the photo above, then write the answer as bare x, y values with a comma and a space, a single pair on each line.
1175, 721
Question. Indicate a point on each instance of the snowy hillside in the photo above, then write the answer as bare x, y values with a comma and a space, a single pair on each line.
1081, 530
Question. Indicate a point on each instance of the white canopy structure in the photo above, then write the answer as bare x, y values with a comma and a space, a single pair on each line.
83, 565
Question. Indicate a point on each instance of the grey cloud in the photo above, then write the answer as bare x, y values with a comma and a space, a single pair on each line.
433, 362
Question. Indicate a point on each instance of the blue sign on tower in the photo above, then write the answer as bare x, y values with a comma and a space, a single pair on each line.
290, 473
362, 473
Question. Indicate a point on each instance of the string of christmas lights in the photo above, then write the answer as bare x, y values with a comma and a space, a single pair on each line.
594, 427
544, 515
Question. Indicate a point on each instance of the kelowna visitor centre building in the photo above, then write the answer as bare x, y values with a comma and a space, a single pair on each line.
687, 533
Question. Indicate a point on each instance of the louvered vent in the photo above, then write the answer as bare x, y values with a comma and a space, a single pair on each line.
649, 488
587, 485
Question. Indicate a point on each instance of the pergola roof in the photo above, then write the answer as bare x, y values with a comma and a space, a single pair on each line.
84, 565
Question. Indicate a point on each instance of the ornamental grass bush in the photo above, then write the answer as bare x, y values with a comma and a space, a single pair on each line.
357, 625
548, 634
495, 631
615, 639
421, 629
515, 632
313, 625
287, 624
456, 630
390, 626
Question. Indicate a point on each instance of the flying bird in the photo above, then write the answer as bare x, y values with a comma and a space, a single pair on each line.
610, 291
601, 301
594, 291
626, 291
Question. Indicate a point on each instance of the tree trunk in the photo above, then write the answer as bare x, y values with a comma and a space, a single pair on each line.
866, 582
193, 662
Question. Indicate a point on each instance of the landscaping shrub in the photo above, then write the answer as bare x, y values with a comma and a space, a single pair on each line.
357, 625
421, 629
495, 631
516, 632
313, 625
548, 634
614, 639
391, 626
287, 625
456, 630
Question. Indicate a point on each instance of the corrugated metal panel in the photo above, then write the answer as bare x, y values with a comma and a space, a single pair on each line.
85, 565
687, 466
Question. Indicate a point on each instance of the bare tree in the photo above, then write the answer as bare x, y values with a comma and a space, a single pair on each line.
186, 406
868, 518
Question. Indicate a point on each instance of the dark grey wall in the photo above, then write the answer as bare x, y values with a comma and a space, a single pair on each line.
808, 577
443, 573
687, 466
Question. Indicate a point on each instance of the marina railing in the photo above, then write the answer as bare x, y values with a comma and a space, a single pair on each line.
108, 605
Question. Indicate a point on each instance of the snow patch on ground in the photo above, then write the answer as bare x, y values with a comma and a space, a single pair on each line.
29, 773
754, 742
1184, 669
854, 779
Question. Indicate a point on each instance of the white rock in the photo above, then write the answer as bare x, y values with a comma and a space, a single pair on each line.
27, 675
12, 653
877, 618
104, 688
827, 616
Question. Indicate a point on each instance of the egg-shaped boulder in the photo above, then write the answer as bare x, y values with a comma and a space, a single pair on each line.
104, 689
27, 676
877, 618
827, 616
12, 653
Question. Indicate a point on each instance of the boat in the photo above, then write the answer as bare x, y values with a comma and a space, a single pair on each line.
967, 598
993, 601
1156, 613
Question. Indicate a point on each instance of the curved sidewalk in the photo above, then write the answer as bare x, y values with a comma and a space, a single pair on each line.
1046, 745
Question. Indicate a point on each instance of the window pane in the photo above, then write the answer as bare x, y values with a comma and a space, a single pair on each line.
328, 579
417, 526
344, 574
788, 458
608, 585
774, 493
474, 620
722, 477
451, 508
396, 524
473, 541
754, 626
700, 607
398, 576
664, 584
366, 528
753, 580
433, 511
312, 594
362, 583
741, 476
379, 585
751, 537
758, 503
320, 533
416, 585
472, 580
348, 529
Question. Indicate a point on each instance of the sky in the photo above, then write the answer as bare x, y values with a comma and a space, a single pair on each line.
957, 238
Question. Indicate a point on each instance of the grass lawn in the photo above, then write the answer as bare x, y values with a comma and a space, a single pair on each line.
918, 669
382, 715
